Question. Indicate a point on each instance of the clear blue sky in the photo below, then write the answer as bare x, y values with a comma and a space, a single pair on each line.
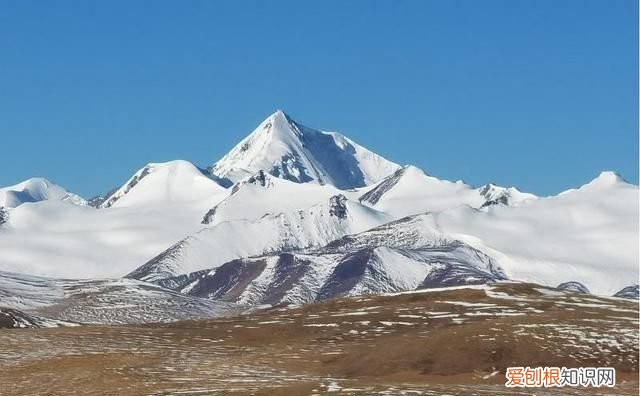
538, 94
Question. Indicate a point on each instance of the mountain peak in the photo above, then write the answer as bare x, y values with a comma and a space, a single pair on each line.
173, 181
605, 179
408, 174
279, 113
34, 190
281, 126
286, 149
609, 177
498, 195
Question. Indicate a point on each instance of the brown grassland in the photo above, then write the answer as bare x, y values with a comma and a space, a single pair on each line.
455, 342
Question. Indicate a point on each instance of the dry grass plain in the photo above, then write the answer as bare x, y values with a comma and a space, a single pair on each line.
438, 342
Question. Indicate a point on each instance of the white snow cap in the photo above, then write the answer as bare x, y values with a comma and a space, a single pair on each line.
605, 179
35, 190
286, 149
166, 182
298, 187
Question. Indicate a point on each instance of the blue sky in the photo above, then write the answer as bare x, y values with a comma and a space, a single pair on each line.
538, 94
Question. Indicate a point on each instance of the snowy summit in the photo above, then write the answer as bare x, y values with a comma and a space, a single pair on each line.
287, 149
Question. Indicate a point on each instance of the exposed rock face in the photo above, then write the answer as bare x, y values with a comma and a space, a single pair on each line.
457, 274
178, 283
337, 206
13, 318
209, 216
502, 200
112, 198
631, 292
573, 286
259, 178
347, 273
98, 200
372, 197
229, 280
4, 215
497, 195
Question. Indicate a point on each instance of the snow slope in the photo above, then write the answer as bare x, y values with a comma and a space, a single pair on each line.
553, 240
159, 205
410, 191
168, 182
397, 256
213, 246
56, 239
35, 190
263, 194
588, 235
289, 150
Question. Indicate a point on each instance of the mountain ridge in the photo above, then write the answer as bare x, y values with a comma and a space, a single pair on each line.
291, 188
285, 148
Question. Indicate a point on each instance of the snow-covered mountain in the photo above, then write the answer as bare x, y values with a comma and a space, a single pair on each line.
588, 235
262, 195
53, 238
284, 148
496, 195
409, 190
169, 182
35, 190
159, 205
299, 199
565, 235
315, 226
402, 255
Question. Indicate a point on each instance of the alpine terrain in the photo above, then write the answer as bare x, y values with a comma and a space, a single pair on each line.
303, 263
